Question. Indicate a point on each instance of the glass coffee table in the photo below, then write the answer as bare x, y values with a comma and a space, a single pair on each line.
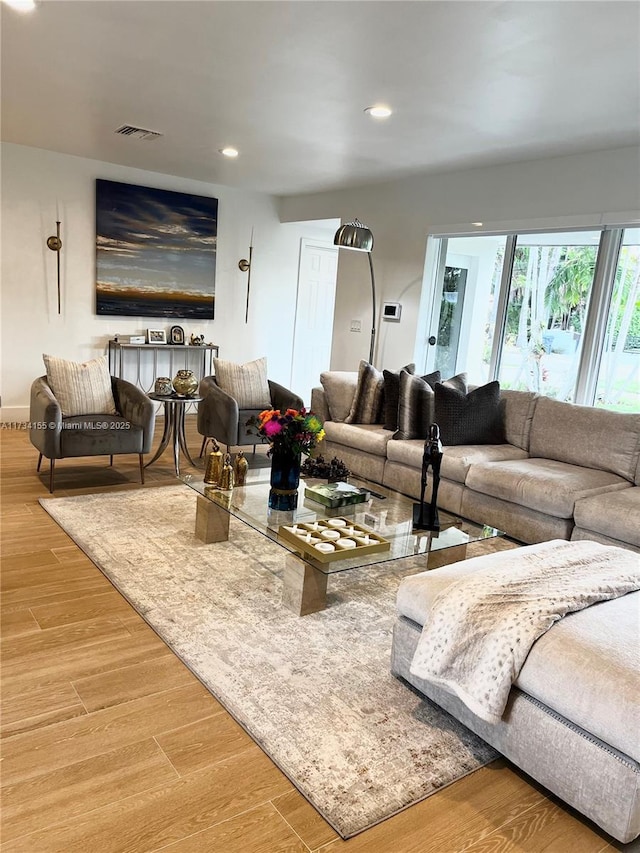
386, 517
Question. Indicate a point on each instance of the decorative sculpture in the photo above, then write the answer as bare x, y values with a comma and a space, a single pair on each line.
240, 467
226, 477
213, 474
426, 518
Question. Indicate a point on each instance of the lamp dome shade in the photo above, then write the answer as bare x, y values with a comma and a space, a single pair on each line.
354, 235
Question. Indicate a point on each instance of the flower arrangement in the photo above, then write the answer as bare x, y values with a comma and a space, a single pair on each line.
296, 431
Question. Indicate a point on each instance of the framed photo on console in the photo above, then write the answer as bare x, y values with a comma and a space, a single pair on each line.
176, 335
156, 336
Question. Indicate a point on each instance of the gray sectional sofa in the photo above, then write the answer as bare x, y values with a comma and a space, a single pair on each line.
583, 743
563, 472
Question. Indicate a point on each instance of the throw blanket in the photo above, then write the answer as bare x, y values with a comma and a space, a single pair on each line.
481, 628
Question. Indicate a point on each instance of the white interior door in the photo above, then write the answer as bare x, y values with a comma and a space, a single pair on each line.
314, 315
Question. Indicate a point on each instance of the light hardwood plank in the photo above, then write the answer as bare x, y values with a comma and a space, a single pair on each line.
259, 830
133, 682
17, 622
54, 642
167, 814
541, 828
60, 795
304, 819
204, 742
45, 750
38, 575
450, 819
81, 609
17, 564
55, 591
18, 703
83, 661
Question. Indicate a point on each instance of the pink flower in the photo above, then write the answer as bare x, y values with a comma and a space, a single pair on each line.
271, 428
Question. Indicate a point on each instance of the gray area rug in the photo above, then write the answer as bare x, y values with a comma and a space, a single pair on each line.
316, 692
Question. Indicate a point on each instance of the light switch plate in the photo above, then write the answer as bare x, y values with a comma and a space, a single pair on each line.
356, 326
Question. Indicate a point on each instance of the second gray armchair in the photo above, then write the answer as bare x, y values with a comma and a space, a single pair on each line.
220, 417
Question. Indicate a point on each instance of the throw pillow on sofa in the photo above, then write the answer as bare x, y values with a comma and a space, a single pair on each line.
81, 388
367, 403
469, 418
392, 395
339, 390
415, 404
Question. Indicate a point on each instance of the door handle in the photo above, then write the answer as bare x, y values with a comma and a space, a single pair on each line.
432, 340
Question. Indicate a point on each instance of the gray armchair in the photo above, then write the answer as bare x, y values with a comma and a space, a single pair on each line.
220, 417
59, 437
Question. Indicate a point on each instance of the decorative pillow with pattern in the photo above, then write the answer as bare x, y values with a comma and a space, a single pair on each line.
392, 394
415, 404
469, 418
81, 388
246, 383
367, 403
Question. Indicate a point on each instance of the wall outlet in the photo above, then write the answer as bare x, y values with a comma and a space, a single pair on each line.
356, 326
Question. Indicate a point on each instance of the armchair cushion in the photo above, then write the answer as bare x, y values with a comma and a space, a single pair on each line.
81, 388
246, 383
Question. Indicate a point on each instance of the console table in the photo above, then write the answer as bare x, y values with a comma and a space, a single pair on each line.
196, 358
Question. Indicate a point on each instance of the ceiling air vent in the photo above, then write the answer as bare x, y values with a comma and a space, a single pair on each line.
137, 132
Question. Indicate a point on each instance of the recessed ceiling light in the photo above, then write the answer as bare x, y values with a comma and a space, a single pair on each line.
21, 5
477, 224
378, 111
229, 152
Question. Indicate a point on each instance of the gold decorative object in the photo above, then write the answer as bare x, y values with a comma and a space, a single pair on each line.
185, 383
240, 467
163, 386
213, 474
55, 244
226, 478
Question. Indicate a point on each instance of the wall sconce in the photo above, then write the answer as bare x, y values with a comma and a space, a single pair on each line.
244, 265
55, 244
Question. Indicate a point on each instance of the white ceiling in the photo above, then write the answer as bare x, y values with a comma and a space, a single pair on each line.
471, 83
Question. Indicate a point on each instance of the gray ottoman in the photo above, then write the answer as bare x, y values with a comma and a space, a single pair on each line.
573, 717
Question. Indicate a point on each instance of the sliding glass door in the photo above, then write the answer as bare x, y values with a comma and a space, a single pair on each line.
618, 385
462, 324
551, 281
557, 313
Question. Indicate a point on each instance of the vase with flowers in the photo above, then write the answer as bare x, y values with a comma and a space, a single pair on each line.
290, 434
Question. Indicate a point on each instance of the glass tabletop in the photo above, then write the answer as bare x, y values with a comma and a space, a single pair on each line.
386, 514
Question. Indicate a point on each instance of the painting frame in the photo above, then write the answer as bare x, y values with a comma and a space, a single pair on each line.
155, 252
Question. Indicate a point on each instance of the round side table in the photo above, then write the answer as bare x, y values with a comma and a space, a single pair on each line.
174, 409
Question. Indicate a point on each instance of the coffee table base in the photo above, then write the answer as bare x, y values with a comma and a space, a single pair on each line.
212, 522
304, 587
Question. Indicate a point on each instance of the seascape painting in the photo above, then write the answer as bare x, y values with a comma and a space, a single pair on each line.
155, 252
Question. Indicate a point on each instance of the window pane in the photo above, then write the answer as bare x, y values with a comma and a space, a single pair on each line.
548, 301
467, 309
618, 385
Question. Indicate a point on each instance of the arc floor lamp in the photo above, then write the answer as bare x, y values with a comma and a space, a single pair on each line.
355, 235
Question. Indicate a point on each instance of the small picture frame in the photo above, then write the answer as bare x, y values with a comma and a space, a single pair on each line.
156, 336
176, 335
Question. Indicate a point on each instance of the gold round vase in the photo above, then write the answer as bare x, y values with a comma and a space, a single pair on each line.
185, 383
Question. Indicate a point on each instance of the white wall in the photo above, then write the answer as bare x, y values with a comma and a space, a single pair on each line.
40, 186
573, 191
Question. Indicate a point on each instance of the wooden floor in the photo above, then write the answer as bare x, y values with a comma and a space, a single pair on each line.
110, 744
